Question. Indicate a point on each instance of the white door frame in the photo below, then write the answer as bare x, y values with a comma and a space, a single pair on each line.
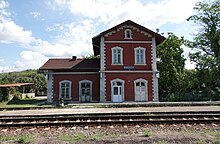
122, 89
80, 92
146, 87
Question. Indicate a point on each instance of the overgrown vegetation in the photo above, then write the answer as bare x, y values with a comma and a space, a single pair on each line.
147, 133
22, 139
28, 76
203, 83
72, 138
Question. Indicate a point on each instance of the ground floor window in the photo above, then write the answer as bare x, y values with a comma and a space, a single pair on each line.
65, 89
85, 91
117, 90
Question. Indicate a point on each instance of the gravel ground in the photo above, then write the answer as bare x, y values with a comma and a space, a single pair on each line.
127, 134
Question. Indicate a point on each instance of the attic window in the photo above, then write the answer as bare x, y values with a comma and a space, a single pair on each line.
128, 34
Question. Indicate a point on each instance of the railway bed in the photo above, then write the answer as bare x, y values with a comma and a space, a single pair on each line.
125, 118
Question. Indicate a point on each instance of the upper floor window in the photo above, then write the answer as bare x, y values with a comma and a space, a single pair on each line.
117, 55
128, 34
65, 89
140, 56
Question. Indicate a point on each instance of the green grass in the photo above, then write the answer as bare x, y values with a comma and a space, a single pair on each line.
200, 141
217, 137
22, 139
72, 138
147, 133
23, 103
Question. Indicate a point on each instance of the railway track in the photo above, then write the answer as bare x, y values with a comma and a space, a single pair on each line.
110, 119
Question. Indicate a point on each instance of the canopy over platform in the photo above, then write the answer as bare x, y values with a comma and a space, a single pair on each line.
15, 85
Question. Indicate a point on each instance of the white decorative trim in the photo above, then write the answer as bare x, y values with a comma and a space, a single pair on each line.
144, 42
102, 54
127, 27
121, 58
154, 67
117, 80
80, 83
49, 88
102, 73
145, 33
81, 73
144, 55
146, 87
65, 81
127, 71
110, 33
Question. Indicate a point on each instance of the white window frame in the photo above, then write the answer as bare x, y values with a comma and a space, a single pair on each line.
128, 34
112, 91
136, 56
146, 86
80, 84
121, 56
70, 88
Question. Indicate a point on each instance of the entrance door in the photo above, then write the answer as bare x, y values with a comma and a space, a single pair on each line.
117, 92
140, 91
85, 92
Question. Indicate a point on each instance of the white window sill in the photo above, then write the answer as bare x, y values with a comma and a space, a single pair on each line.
128, 38
117, 64
140, 64
67, 98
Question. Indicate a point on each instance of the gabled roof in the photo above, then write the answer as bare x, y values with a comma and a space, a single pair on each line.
96, 39
70, 64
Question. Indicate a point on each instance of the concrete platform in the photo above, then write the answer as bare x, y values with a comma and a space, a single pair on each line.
88, 110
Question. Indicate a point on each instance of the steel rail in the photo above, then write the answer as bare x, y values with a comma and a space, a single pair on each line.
125, 118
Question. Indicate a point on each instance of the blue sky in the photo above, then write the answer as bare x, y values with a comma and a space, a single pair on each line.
33, 31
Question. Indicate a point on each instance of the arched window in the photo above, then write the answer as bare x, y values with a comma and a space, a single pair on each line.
85, 90
117, 56
140, 56
65, 89
128, 34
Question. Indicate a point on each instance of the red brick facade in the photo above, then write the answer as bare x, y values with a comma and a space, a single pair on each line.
125, 70
75, 85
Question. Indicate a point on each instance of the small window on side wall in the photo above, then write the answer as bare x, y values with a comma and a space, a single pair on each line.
128, 34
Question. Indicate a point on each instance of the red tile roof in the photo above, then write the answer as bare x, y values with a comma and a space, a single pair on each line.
15, 85
70, 64
62, 63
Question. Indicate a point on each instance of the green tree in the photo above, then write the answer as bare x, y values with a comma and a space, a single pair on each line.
207, 17
206, 45
171, 66
40, 84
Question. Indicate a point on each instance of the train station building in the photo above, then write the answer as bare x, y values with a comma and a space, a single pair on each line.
124, 68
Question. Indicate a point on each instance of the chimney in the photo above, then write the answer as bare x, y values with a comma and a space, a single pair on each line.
73, 58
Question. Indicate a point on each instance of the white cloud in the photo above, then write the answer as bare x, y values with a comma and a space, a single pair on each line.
4, 69
30, 60
11, 32
113, 12
27, 60
35, 14
3, 9
2, 60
